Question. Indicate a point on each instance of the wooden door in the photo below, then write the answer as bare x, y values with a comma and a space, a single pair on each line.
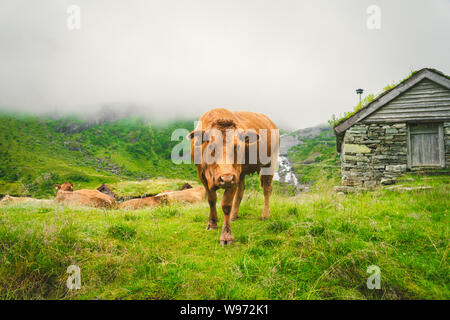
424, 144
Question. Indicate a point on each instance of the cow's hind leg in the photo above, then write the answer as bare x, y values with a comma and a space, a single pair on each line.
238, 198
227, 200
266, 184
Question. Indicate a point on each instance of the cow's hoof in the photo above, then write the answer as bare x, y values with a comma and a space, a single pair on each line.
211, 226
234, 218
225, 242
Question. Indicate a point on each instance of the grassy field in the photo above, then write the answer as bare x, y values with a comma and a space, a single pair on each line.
316, 245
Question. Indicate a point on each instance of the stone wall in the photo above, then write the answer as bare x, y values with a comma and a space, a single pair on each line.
373, 154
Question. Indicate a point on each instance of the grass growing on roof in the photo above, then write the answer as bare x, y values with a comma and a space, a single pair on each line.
336, 119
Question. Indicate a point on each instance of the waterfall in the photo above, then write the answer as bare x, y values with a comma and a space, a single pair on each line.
285, 173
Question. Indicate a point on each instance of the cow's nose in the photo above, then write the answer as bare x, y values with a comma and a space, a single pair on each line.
227, 179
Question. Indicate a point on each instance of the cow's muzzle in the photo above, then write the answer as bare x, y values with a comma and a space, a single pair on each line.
226, 180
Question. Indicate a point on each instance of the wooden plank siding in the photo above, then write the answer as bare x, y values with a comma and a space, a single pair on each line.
425, 101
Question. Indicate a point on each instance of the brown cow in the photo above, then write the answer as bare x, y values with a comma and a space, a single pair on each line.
191, 195
16, 200
253, 133
91, 198
140, 203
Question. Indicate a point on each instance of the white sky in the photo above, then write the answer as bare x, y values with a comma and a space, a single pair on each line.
296, 61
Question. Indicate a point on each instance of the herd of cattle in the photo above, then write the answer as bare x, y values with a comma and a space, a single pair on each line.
220, 162
66, 195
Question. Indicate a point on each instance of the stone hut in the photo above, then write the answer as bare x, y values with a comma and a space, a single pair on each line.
405, 128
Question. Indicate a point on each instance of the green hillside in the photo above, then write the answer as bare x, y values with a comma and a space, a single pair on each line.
37, 152
315, 157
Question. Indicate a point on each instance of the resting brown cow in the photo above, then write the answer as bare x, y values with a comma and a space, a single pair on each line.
140, 203
15, 200
91, 198
217, 148
191, 195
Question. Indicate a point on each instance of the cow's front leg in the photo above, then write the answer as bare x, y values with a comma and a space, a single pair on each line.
238, 198
227, 201
212, 199
266, 184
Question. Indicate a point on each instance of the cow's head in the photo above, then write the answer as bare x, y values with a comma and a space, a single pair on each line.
221, 150
67, 186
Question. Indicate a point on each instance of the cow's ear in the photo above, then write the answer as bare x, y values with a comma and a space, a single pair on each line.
196, 134
192, 134
57, 186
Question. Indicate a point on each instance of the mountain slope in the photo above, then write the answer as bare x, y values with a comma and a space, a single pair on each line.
37, 152
314, 156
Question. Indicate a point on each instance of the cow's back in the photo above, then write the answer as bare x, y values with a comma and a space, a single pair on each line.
187, 195
140, 203
91, 198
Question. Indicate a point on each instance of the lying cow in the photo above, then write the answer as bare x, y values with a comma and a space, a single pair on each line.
85, 197
226, 146
16, 200
191, 195
140, 203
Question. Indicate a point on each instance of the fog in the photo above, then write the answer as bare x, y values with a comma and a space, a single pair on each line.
299, 62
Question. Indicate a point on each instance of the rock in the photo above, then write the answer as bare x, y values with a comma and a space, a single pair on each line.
396, 168
72, 146
403, 188
348, 189
387, 181
391, 130
357, 158
370, 184
355, 148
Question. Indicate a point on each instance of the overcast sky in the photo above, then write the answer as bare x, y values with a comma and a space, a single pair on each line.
296, 61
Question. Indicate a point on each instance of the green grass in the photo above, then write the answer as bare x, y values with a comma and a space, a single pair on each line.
316, 245
134, 189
